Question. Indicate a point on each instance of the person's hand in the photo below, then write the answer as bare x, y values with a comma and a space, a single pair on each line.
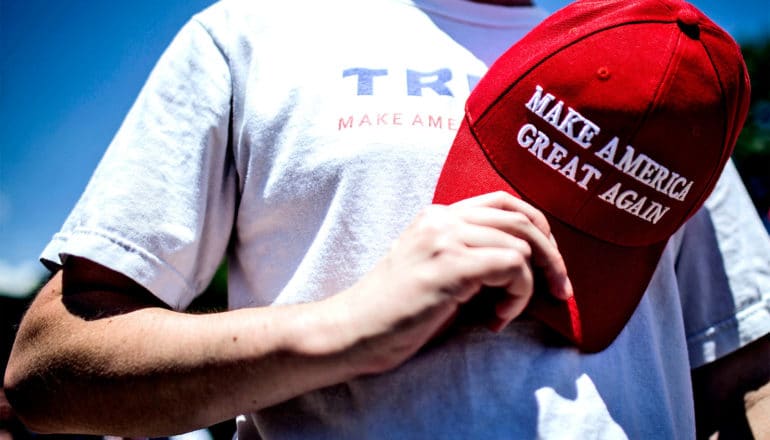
439, 263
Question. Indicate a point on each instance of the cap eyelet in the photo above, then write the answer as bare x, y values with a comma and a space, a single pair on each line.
603, 73
687, 19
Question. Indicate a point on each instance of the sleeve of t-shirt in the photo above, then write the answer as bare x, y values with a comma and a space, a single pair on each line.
160, 205
723, 271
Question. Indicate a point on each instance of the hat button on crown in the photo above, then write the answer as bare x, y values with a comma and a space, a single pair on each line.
688, 21
687, 16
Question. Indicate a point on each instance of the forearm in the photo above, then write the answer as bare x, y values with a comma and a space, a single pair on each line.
96, 353
137, 373
731, 392
758, 411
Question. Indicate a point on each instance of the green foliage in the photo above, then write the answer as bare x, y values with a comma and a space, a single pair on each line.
214, 298
752, 152
755, 138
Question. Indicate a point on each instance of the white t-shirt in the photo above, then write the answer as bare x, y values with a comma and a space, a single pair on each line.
300, 138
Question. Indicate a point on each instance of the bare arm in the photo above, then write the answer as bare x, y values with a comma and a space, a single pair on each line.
92, 357
732, 394
97, 354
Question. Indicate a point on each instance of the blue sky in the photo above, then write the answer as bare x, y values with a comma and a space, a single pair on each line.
70, 69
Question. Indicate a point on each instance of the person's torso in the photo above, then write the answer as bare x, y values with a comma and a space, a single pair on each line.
339, 130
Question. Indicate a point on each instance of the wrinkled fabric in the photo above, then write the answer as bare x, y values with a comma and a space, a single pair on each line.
301, 147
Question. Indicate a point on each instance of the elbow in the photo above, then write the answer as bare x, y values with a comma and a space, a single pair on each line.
27, 397
17, 401
30, 382
32, 385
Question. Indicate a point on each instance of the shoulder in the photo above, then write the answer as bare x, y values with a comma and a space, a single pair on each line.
723, 271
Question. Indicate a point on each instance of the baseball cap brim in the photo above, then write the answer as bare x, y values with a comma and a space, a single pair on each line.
608, 279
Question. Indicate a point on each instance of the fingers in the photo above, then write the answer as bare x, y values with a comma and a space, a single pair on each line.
472, 268
491, 240
517, 279
505, 312
477, 233
508, 214
506, 202
508, 269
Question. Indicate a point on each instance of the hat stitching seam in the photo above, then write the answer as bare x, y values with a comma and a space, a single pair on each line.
668, 6
492, 158
671, 65
725, 135
505, 91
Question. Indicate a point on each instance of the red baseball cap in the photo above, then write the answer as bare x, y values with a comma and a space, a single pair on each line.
614, 118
